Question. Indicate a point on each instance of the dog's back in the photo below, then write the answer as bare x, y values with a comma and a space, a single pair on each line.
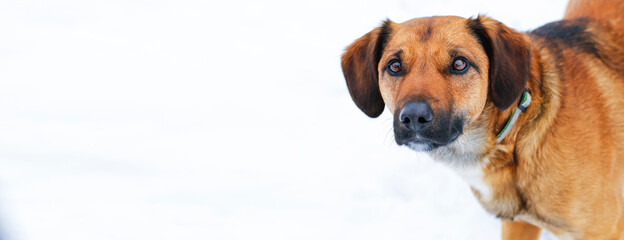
609, 16
607, 12
605, 28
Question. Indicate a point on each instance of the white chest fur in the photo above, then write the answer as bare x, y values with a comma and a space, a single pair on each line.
473, 175
463, 157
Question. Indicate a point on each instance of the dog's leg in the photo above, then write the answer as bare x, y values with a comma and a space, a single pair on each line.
518, 230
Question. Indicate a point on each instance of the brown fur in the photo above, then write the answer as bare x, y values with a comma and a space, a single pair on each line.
520, 230
561, 166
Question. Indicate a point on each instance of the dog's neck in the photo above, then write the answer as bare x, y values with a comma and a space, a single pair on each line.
542, 110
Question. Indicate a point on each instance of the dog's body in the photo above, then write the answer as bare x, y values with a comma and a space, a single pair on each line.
453, 83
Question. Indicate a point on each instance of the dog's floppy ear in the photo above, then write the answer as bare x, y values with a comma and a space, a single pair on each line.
359, 66
510, 59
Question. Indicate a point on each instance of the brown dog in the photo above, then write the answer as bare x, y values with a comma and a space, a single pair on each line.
454, 84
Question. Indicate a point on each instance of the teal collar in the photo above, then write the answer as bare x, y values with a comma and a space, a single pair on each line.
522, 106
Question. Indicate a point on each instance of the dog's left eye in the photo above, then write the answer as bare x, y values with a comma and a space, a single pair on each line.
459, 65
394, 67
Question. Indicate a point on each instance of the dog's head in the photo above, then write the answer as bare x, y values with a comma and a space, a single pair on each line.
436, 75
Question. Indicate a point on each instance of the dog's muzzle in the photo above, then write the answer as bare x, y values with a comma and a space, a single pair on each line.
421, 128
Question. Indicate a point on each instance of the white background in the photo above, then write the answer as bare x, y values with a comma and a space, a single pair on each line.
215, 120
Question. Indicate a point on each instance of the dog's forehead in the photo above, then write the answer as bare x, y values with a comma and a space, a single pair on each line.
423, 30
433, 37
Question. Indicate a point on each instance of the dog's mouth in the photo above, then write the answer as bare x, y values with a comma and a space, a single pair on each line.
421, 144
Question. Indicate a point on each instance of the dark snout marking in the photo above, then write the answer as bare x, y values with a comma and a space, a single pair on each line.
417, 119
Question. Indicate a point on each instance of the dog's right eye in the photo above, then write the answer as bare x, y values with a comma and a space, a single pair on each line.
394, 67
459, 65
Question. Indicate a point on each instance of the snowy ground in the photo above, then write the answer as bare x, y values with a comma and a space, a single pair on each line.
214, 120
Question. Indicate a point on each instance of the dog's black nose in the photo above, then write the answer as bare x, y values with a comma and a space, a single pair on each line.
416, 115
